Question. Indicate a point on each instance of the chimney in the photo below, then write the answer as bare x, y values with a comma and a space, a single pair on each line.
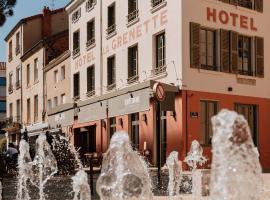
46, 22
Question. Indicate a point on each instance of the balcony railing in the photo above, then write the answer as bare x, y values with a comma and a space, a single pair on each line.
76, 98
111, 29
111, 86
132, 16
18, 84
10, 89
10, 57
246, 72
90, 42
90, 5
76, 51
90, 93
132, 79
13, 120
18, 50
156, 3
159, 70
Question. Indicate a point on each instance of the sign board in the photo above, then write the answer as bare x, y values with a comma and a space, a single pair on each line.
159, 92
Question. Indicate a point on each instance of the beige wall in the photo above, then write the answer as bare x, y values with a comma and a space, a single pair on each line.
218, 82
56, 89
34, 88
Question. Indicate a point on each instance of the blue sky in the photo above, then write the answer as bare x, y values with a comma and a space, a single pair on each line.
24, 8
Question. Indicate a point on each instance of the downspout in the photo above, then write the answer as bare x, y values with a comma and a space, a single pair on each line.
101, 69
21, 76
43, 85
186, 122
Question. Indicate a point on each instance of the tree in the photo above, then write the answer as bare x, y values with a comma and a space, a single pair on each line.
6, 10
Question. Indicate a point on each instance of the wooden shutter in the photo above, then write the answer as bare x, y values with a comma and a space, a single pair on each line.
259, 56
234, 52
225, 50
194, 45
259, 5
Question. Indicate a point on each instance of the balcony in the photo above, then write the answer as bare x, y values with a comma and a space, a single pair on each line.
13, 121
132, 79
159, 71
111, 30
90, 43
18, 84
111, 86
133, 16
90, 93
18, 50
10, 89
76, 52
10, 57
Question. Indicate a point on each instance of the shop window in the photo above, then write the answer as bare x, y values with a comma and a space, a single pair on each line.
111, 73
112, 130
111, 19
76, 85
90, 33
133, 11
207, 49
132, 64
244, 55
208, 110
250, 112
91, 80
135, 141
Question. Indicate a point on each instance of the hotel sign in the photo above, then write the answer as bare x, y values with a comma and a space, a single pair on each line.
231, 18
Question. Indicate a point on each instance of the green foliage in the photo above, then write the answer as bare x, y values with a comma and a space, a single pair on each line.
6, 10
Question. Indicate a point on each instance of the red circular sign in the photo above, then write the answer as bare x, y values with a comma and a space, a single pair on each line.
159, 92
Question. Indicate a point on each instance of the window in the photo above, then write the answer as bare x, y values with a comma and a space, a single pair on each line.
156, 3
18, 108
3, 81
49, 103
11, 110
244, 55
76, 15
35, 108
28, 74
76, 85
132, 10
111, 19
17, 43
63, 72
250, 112
10, 86
28, 111
91, 79
90, 4
56, 76
111, 72
3, 105
207, 49
135, 131
112, 130
55, 101
208, 110
250, 4
35, 70
18, 77
76, 43
90, 32
63, 98
10, 51
132, 64
160, 50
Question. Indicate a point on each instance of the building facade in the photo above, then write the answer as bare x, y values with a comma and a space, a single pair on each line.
205, 62
2, 91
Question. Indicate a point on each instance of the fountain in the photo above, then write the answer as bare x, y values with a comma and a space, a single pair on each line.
124, 173
44, 165
81, 187
194, 158
25, 171
174, 174
236, 171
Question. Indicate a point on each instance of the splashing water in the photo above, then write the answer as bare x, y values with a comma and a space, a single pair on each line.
174, 174
195, 155
81, 187
124, 174
44, 165
25, 171
236, 171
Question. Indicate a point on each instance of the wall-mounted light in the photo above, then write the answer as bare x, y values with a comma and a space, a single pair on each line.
173, 114
144, 118
120, 121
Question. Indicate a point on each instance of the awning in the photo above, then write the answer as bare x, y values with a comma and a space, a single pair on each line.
35, 129
65, 118
92, 112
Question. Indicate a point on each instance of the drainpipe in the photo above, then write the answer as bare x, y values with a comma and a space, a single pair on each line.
101, 67
21, 102
186, 122
43, 85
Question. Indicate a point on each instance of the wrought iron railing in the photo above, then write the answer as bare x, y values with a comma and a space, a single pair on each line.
132, 79
76, 51
159, 70
111, 29
133, 15
111, 86
156, 3
90, 42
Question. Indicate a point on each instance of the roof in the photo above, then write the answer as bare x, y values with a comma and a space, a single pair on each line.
24, 20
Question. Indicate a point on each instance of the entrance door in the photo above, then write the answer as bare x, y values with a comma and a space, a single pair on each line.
92, 139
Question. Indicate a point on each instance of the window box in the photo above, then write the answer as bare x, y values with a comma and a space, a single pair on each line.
157, 4
90, 4
132, 79
133, 16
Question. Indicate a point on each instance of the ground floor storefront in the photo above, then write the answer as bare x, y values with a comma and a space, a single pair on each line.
160, 127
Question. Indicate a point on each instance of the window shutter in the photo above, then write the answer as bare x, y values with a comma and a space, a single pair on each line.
259, 5
234, 52
195, 45
225, 50
259, 53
